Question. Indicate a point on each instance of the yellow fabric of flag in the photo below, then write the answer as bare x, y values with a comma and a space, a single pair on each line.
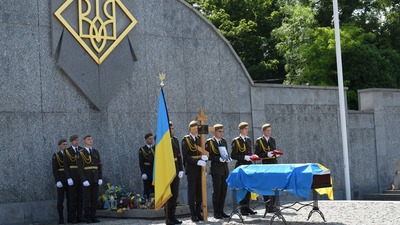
164, 164
328, 190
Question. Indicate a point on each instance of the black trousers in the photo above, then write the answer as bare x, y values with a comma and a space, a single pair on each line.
76, 199
90, 195
246, 200
175, 192
61, 194
148, 187
219, 192
194, 188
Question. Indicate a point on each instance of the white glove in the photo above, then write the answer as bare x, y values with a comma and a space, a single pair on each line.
59, 184
180, 174
270, 154
247, 158
221, 160
70, 182
100, 181
204, 157
86, 183
201, 163
144, 176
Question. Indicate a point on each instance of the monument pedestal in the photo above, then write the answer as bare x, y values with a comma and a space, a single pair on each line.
142, 213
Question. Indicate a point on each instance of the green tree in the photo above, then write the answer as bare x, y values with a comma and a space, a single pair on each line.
247, 25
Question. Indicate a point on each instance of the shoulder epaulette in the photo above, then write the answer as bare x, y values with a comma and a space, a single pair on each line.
259, 138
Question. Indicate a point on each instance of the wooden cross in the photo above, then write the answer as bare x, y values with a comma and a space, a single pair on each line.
202, 118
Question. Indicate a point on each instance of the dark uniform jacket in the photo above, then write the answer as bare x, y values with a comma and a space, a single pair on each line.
89, 166
217, 167
177, 154
58, 167
262, 147
71, 166
241, 148
146, 160
190, 154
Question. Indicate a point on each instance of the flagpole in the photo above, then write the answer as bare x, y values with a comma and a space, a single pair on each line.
341, 101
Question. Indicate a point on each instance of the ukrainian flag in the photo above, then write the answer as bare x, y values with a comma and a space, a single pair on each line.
164, 164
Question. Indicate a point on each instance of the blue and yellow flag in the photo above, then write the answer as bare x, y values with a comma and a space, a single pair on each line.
164, 164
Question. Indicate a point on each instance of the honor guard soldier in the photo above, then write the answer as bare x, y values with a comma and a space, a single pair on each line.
90, 171
219, 157
193, 161
146, 161
241, 151
74, 180
60, 179
175, 183
264, 147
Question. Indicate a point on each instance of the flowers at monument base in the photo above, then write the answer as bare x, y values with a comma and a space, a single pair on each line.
119, 198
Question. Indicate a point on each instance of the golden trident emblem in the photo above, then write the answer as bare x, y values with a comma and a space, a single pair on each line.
97, 26
162, 78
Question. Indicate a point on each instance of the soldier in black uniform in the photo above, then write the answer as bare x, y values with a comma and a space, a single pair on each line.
263, 148
146, 161
241, 151
175, 183
74, 181
60, 179
90, 172
219, 157
193, 161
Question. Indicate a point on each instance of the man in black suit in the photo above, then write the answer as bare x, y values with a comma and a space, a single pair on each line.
241, 151
60, 179
175, 183
264, 147
74, 180
193, 161
146, 161
91, 173
219, 157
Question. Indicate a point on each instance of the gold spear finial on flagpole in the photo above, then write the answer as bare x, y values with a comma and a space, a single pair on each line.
162, 78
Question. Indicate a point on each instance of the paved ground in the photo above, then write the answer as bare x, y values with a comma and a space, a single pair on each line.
335, 212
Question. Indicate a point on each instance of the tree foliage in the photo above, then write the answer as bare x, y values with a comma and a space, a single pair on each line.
294, 40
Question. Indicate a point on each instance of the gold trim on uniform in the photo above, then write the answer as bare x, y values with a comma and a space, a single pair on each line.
240, 149
59, 161
86, 160
91, 168
70, 157
192, 148
145, 155
213, 148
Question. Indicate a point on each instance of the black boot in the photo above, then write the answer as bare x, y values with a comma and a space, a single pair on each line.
93, 216
217, 214
193, 214
198, 212
169, 221
173, 217
88, 218
221, 211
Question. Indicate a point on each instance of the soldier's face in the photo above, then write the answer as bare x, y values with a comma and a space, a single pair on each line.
194, 130
75, 142
267, 132
171, 128
244, 131
63, 146
150, 140
218, 133
88, 141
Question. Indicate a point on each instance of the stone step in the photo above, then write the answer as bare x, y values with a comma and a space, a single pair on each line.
383, 196
142, 213
396, 192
